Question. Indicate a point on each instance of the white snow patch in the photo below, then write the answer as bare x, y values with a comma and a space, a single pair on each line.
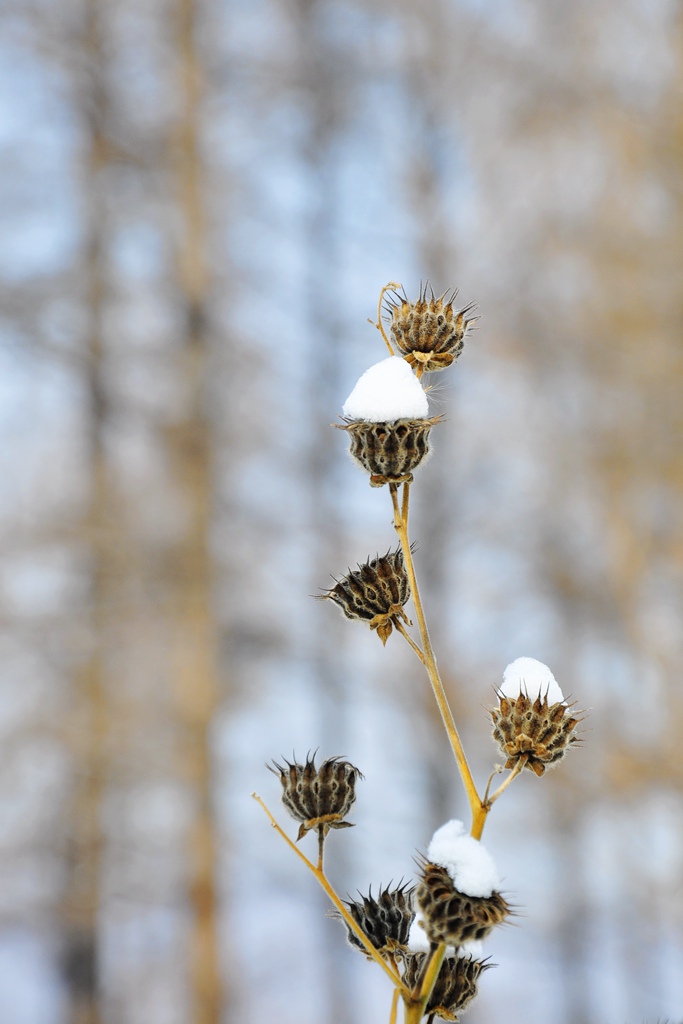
387, 391
526, 675
418, 941
417, 937
473, 948
469, 864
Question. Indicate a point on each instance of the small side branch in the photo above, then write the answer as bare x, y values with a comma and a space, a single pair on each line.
404, 633
320, 876
379, 325
517, 770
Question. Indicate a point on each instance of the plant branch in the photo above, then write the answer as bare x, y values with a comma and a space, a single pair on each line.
404, 633
431, 972
394, 1006
379, 325
320, 876
476, 806
517, 770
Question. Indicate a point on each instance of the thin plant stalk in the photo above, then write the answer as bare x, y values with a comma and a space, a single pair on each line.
477, 808
404, 633
379, 325
322, 879
517, 770
394, 1007
431, 973
415, 1005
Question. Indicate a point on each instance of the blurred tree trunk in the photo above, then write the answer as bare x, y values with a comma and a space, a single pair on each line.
87, 727
326, 85
193, 628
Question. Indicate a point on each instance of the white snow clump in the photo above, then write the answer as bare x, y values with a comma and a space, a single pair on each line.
419, 943
387, 391
526, 675
469, 864
417, 937
472, 948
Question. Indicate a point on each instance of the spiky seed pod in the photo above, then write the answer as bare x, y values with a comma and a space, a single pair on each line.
375, 592
389, 451
455, 986
430, 332
540, 732
318, 797
386, 920
452, 916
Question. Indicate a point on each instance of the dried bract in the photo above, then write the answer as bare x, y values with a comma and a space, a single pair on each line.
455, 986
385, 920
451, 916
320, 798
389, 451
375, 592
533, 729
430, 332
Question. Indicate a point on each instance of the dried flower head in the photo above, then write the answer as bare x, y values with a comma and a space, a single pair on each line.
385, 920
429, 332
375, 592
455, 986
389, 451
320, 798
451, 916
532, 729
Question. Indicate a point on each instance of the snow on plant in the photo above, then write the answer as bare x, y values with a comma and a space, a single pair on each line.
427, 938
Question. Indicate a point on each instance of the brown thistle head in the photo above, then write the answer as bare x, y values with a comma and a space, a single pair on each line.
429, 333
375, 592
533, 730
455, 986
451, 916
386, 920
389, 451
320, 798
532, 723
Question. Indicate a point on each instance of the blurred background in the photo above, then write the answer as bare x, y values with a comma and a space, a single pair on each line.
199, 203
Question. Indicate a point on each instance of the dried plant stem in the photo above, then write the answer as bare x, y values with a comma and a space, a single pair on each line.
404, 633
415, 1005
355, 928
321, 847
379, 325
511, 778
394, 1007
431, 972
477, 808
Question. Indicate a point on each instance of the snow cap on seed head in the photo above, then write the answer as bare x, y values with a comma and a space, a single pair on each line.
468, 863
387, 391
533, 678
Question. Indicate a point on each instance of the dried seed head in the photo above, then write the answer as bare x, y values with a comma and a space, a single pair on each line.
386, 920
539, 732
318, 797
456, 984
375, 592
452, 916
389, 451
429, 332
